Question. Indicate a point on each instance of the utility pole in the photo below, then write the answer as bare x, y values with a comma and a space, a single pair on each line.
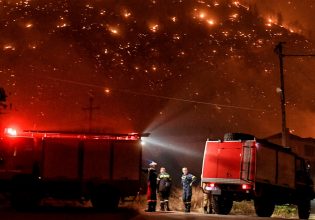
90, 109
279, 51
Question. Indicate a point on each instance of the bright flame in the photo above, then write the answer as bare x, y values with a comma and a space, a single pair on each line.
32, 46
210, 22
236, 3
113, 30
107, 90
126, 14
154, 28
202, 15
29, 25
8, 47
62, 25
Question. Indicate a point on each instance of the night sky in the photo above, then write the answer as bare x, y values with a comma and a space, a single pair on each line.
184, 70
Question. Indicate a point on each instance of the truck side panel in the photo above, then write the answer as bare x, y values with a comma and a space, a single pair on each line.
96, 159
286, 169
127, 160
17, 155
248, 162
60, 158
22, 150
266, 160
222, 160
209, 167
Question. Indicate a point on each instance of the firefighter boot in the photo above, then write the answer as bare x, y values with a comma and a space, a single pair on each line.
166, 206
150, 208
153, 207
162, 206
188, 207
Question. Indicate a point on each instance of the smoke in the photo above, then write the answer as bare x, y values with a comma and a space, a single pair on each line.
296, 14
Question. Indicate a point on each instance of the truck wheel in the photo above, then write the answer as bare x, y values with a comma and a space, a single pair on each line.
222, 205
105, 199
304, 209
264, 207
25, 193
238, 136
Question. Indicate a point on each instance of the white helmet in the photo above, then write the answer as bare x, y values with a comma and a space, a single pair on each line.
152, 164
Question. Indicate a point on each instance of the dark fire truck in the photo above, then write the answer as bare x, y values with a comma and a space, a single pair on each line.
252, 169
99, 167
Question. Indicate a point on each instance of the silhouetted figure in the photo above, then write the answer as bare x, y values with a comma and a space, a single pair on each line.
151, 187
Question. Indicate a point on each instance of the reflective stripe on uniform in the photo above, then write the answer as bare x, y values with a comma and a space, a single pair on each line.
164, 176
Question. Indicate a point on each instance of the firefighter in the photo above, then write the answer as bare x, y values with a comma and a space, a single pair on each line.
164, 182
152, 187
207, 196
187, 181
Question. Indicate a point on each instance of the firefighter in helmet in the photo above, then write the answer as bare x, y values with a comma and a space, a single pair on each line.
164, 182
152, 187
187, 180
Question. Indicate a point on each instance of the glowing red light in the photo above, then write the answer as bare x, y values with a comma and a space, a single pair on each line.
212, 185
245, 186
10, 131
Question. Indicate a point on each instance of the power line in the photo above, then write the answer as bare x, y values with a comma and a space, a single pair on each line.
159, 96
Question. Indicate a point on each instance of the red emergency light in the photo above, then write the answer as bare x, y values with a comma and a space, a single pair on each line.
210, 186
10, 131
246, 186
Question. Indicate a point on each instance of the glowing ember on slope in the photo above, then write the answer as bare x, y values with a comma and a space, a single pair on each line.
154, 27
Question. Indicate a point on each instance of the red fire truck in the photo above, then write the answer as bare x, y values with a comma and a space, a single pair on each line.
99, 167
246, 168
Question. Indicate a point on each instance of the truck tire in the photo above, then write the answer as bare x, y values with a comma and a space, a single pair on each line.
304, 209
238, 136
222, 205
264, 207
105, 198
25, 193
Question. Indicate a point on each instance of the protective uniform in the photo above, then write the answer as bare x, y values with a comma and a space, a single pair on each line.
207, 197
152, 186
187, 181
207, 206
164, 190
